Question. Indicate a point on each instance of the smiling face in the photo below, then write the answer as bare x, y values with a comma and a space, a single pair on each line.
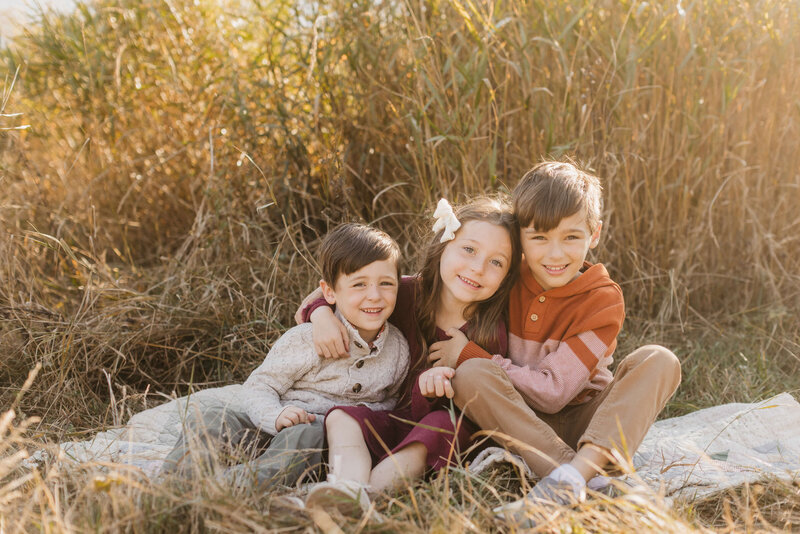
555, 257
474, 264
365, 297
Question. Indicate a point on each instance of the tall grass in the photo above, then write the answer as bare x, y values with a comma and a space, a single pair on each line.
159, 219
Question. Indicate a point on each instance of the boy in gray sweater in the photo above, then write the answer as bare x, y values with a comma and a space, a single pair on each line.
289, 393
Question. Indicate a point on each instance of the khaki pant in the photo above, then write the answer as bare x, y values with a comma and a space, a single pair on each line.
616, 419
220, 435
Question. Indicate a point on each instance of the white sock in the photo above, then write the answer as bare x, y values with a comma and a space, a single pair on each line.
567, 473
598, 482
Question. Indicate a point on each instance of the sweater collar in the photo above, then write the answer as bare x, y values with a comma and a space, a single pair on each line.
359, 347
592, 276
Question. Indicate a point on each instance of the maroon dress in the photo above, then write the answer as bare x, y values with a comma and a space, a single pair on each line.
416, 419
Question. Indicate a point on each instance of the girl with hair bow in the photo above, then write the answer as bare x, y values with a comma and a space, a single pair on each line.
453, 305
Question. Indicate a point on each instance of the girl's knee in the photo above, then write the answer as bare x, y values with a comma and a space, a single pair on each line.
337, 419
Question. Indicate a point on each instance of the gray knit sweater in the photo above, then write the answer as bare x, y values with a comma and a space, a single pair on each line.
293, 374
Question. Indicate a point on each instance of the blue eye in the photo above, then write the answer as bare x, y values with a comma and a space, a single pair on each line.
497, 263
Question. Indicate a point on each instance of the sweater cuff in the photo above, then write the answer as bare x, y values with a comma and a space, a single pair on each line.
308, 310
472, 350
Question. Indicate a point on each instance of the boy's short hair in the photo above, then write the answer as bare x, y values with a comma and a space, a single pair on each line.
553, 190
351, 246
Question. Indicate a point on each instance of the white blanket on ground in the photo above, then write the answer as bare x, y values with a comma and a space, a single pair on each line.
688, 456
149, 435
712, 449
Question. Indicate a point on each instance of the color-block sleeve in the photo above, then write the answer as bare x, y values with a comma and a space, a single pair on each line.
473, 350
561, 369
288, 361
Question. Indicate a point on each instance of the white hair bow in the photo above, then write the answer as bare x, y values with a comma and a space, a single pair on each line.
445, 218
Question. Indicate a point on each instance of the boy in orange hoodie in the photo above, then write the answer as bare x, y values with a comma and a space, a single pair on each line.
553, 400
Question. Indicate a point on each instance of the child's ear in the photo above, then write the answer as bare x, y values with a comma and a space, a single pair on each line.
327, 292
596, 235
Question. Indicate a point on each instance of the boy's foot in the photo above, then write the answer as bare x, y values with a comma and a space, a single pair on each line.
549, 491
288, 501
347, 496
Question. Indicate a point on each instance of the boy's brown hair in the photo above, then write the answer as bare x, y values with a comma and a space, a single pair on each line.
553, 190
351, 246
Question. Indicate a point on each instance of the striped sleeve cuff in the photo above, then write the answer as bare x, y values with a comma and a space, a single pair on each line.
472, 350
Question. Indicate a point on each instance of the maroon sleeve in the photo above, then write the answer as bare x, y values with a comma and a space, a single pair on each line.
313, 305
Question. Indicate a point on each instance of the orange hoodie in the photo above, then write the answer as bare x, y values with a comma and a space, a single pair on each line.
560, 341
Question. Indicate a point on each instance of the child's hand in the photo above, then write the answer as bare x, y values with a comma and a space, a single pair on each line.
311, 297
446, 353
435, 382
329, 334
292, 415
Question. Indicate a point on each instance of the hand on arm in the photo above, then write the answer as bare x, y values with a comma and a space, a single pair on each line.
435, 382
446, 353
330, 335
292, 415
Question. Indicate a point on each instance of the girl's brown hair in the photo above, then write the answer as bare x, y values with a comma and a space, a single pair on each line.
483, 315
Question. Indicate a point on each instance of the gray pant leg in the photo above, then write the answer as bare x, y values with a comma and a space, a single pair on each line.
293, 453
207, 432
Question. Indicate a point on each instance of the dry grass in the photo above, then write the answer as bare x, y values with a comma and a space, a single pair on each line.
159, 218
768, 506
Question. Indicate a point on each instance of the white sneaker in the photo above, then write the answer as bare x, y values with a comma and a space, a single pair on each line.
347, 496
288, 501
547, 492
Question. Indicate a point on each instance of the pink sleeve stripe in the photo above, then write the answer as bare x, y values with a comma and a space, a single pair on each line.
589, 349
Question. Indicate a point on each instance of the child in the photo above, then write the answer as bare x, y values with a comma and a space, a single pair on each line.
468, 269
292, 389
553, 400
